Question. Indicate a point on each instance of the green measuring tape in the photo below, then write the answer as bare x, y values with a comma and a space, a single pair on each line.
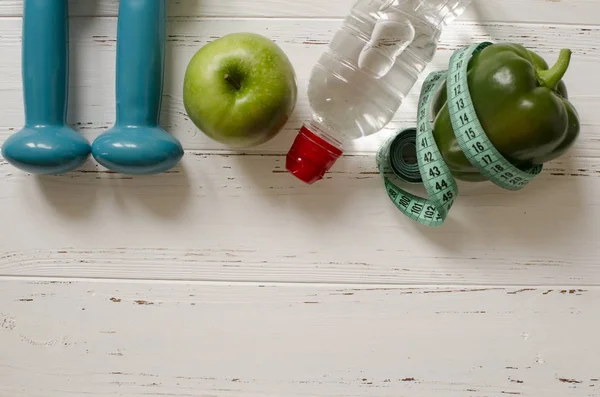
430, 168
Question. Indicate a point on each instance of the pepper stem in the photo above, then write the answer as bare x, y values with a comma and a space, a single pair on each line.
551, 77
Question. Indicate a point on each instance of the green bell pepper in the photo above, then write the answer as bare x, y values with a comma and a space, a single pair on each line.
521, 104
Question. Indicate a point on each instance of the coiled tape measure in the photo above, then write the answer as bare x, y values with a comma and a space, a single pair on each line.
430, 169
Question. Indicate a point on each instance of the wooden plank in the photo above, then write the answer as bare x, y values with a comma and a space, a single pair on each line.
60, 338
93, 50
243, 218
540, 11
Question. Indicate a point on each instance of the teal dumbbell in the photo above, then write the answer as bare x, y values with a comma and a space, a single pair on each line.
136, 144
46, 144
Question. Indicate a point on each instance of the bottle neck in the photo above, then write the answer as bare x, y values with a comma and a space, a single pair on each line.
324, 132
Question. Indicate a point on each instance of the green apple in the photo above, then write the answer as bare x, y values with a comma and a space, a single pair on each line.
240, 89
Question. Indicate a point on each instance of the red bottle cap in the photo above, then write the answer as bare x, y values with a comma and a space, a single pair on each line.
310, 156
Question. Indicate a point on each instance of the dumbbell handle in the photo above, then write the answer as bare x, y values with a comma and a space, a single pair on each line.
45, 61
140, 62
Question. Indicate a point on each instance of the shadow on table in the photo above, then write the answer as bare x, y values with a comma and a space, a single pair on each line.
76, 194
325, 200
550, 210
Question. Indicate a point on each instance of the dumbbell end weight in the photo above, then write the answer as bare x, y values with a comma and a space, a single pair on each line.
46, 149
137, 150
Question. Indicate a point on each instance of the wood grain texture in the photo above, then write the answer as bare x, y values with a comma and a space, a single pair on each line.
223, 217
62, 338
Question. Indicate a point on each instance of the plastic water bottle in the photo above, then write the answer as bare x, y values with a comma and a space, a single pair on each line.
371, 64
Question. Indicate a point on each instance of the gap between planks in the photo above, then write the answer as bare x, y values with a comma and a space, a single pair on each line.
418, 288
333, 19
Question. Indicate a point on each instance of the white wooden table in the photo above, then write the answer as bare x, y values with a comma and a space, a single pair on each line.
227, 277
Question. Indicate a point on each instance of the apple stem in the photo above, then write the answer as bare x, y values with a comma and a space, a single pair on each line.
234, 83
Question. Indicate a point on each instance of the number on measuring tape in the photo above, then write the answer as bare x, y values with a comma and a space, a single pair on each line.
470, 135
436, 177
